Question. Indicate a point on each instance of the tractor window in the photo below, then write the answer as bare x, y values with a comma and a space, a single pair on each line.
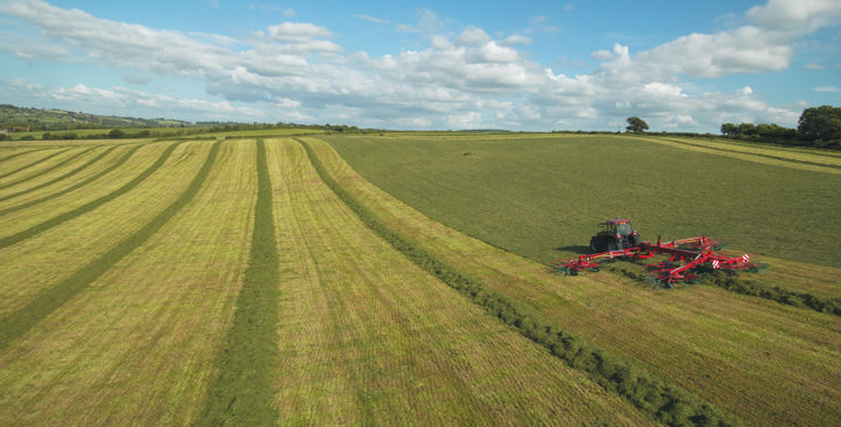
623, 229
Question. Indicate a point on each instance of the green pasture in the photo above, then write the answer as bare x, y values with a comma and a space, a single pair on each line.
542, 196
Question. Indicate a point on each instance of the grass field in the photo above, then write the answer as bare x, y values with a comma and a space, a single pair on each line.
125, 281
765, 362
258, 279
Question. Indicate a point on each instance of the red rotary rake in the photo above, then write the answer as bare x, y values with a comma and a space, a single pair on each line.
689, 259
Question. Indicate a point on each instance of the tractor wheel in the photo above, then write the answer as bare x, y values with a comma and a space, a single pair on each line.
635, 240
594, 245
612, 246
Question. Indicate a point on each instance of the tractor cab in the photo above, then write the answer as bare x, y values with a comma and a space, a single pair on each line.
616, 234
618, 227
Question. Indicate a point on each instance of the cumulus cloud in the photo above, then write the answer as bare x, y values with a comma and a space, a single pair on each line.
467, 79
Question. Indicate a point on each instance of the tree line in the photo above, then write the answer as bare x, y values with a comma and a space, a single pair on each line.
817, 127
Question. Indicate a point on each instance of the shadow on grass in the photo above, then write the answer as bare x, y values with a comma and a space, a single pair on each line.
578, 249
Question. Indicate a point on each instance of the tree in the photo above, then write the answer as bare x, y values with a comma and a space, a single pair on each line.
729, 129
822, 122
116, 134
636, 125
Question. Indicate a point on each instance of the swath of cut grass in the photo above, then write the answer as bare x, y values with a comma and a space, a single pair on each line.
22, 320
762, 361
367, 337
64, 176
666, 402
35, 163
122, 160
87, 207
242, 393
137, 346
48, 169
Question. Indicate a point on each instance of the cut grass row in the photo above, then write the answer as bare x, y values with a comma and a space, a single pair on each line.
762, 361
665, 402
7, 241
53, 255
22, 320
61, 177
32, 164
814, 162
92, 178
367, 337
138, 346
40, 172
242, 392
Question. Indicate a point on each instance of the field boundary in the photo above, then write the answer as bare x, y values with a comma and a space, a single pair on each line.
21, 321
242, 392
665, 402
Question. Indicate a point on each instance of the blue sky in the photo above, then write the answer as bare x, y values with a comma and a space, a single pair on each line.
526, 65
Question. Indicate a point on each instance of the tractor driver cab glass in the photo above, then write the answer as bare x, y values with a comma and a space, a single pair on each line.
623, 229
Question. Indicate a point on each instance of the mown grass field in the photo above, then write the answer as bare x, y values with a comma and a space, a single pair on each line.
258, 279
127, 270
765, 362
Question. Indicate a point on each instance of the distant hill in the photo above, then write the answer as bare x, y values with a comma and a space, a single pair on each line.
38, 119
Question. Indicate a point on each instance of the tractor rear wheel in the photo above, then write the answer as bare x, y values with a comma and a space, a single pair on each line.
594, 245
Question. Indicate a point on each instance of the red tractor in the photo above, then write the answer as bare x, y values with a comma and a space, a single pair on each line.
616, 234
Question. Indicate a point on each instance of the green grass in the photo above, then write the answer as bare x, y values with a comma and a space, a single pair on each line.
542, 197
116, 165
242, 394
21, 321
41, 172
87, 207
762, 361
35, 163
62, 177
665, 402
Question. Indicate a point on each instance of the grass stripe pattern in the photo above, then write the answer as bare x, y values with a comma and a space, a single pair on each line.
20, 322
49, 169
242, 393
35, 163
77, 186
665, 402
62, 177
87, 207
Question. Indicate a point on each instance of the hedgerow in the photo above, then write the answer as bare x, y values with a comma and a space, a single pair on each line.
667, 403
19, 322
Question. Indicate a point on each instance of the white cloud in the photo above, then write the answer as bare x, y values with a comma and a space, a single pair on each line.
516, 39
472, 36
297, 71
371, 19
813, 66
298, 31
828, 89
